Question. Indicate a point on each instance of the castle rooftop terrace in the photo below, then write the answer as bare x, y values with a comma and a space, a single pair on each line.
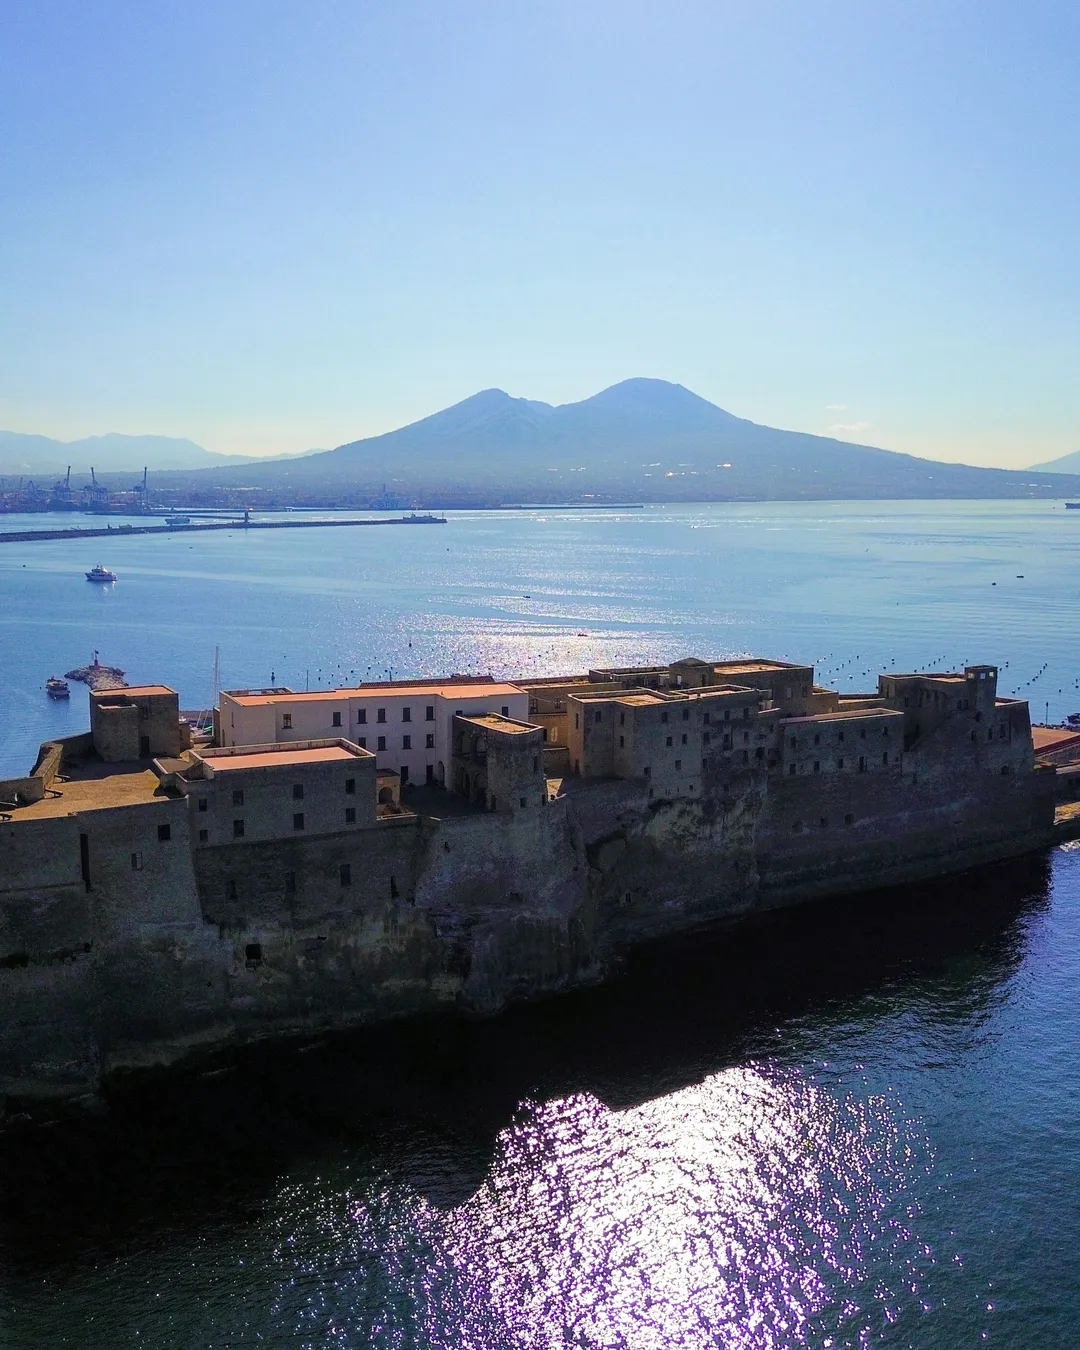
134, 689
754, 667
274, 757
844, 714
93, 786
496, 722
446, 688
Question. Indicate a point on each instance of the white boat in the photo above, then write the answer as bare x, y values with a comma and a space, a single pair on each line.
99, 573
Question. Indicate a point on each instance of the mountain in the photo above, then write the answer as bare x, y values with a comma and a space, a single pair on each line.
639, 440
1066, 464
24, 453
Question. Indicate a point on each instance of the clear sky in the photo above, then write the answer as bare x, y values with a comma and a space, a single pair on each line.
270, 226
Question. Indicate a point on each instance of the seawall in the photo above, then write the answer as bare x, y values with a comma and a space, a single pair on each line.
124, 945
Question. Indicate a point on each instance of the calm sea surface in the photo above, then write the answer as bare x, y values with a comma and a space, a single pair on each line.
857, 1123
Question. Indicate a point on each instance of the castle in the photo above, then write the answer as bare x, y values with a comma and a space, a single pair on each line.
342, 856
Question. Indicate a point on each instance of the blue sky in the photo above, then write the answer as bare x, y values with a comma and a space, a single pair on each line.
272, 226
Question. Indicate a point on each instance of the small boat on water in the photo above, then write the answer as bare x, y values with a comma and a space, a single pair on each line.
1072, 506
177, 520
55, 687
99, 573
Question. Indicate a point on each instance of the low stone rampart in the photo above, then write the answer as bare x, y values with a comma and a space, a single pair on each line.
125, 942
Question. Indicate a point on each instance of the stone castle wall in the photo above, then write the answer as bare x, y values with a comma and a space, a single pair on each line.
123, 942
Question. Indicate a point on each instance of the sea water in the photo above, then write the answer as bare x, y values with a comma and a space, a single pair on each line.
857, 1123
854, 587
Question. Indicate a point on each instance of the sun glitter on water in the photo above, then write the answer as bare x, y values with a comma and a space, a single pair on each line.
745, 1211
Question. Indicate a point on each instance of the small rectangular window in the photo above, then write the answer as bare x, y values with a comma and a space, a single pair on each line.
622, 719
238, 829
361, 716
792, 769
381, 743
684, 738
429, 741
136, 862
298, 821
686, 714
345, 874
238, 798
231, 888
598, 716
203, 803
669, 741
204, 836
706, 737
646, 771
361, 741
663, 716
406, 714
336, 720
817, 765
429, 713
678, 763
350, 787
350, 815
622, 742
506, 711
298, 792
290, 883
406, 742
286, 721
164, 833
521, 800
380, 715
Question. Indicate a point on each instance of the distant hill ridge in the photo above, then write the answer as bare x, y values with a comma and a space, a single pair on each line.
642, 439
1066, 464
114, 452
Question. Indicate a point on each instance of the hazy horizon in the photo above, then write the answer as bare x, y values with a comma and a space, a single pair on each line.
267, 230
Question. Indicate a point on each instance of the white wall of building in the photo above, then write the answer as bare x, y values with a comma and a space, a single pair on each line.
276, 718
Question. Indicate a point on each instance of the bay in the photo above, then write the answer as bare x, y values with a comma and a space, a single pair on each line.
858, 1122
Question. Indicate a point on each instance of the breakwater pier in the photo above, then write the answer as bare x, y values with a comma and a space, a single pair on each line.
119, 531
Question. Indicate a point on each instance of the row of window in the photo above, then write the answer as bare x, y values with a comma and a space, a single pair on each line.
798, 827
380, 716
794, 768
297, 794
254, 951
406, 742
239, 829
793, 741
598, 716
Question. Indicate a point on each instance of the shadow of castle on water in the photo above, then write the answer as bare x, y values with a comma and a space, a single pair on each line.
423, 1101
